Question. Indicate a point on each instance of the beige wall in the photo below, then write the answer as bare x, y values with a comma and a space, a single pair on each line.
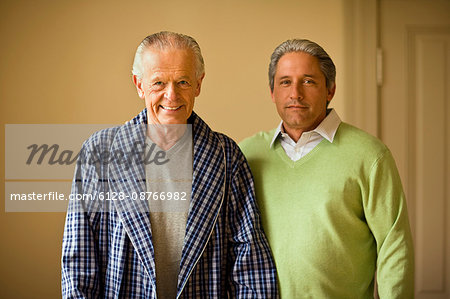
69, 62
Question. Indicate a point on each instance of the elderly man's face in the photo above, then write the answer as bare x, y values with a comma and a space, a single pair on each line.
169, 85
300, 93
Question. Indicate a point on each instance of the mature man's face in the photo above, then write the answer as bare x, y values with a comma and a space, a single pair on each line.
169, 85
300, 93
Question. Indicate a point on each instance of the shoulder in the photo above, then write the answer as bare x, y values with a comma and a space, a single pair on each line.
349, 131
232, 151
358, 143
208, 142
206, 137
101, 139
227, 141
257, 143
258, 138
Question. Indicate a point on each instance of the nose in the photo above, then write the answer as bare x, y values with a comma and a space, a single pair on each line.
296, 91
171, 92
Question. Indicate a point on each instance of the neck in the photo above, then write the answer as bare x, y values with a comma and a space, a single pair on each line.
295, 134
165, 136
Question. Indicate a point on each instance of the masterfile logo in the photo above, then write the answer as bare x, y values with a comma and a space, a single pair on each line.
40, 162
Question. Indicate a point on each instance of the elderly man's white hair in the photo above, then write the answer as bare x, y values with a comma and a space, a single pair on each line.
168, 40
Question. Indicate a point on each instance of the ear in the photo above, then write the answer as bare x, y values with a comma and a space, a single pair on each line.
331, 92
138, 83
199, 84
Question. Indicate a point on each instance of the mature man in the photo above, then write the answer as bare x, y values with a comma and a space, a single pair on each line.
330, 195
175, 220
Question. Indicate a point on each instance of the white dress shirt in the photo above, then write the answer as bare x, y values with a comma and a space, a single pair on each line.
308, 140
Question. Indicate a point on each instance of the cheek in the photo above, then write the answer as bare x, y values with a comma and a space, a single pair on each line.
317, 96
279, 105
190, 104
189, 97
151, 102
285, 93
276, 96
153, 97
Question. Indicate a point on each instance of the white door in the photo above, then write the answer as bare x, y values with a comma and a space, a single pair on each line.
415, 124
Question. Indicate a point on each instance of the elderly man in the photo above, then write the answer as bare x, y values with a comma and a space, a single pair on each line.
172, 213
330, 196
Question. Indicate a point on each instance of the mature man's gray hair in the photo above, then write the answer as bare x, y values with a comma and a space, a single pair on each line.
303, 45
165, 40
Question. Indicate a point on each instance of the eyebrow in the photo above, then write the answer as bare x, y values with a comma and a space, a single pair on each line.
184, 78
155, 78
304, 75
160, 78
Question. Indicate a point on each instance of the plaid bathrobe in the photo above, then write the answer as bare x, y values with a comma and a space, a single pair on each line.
107, 245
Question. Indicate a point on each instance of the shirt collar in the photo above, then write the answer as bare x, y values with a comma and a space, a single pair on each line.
327, 128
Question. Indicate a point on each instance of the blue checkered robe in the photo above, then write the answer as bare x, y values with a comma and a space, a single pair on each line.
107, 245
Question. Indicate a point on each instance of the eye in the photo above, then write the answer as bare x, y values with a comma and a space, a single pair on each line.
285, 82
157, 85
308, 81
184, 83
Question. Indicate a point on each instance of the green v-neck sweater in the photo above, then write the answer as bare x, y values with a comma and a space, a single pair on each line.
334, 216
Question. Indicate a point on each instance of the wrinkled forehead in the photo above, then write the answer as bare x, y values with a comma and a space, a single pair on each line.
169, 59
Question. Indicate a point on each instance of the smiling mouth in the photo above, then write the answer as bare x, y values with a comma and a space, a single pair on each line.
170, 108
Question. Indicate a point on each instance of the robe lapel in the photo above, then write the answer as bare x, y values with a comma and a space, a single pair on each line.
208, 189
206, 198
127, 177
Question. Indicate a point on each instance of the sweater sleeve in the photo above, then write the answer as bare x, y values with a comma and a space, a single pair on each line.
387, 217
